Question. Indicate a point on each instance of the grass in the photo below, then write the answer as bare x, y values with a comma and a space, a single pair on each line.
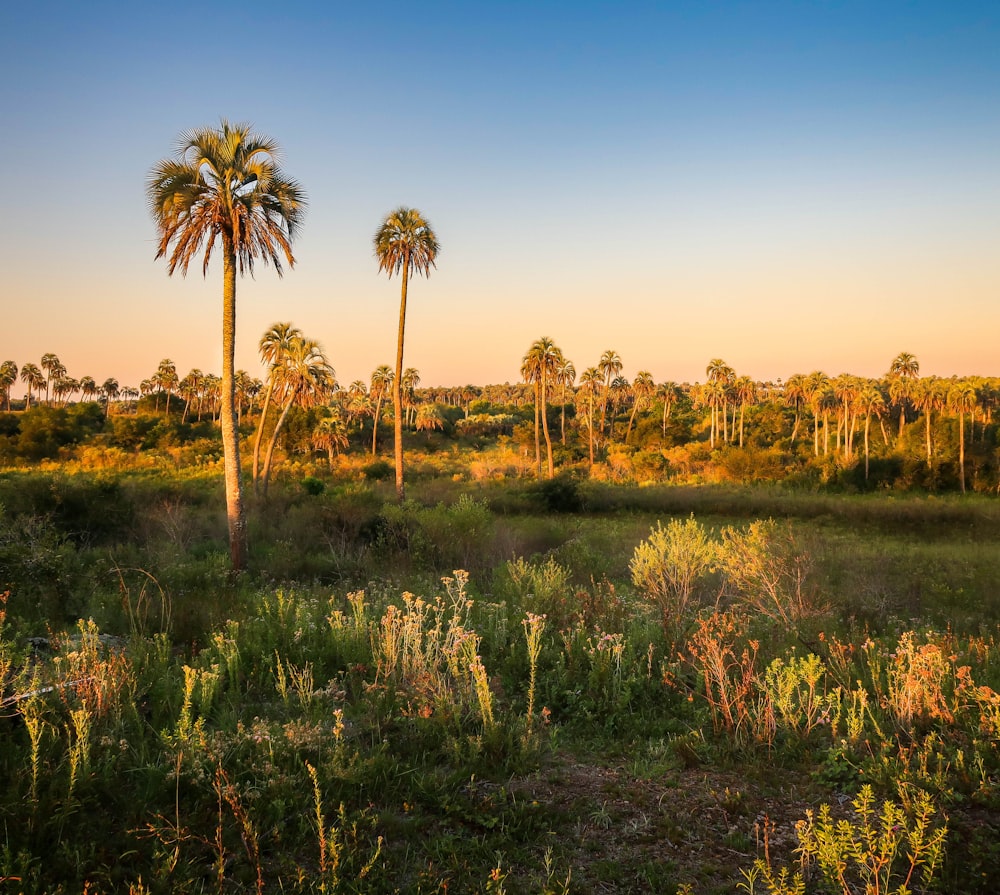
360, 718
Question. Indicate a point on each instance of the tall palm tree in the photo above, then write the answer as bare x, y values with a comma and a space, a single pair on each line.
166, 378
540, 366
411, 379
110, 390
962, 399
903, 373
643, 389
565, 376
405, 243
53, 368
795, 396
224, 186
610, 365
32, 377
88, 388
745, 390
869, 401
667, 393
8, 376
305, 379
591, 381
928, 396
273, 348
382, 380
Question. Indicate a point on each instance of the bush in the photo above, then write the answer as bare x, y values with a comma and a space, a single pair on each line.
671, 568
378, 471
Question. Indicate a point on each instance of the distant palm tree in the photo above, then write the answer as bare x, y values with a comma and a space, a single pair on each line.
382, 379
330, 435
305, 379
610, 365
643, 389
405, 243
540, 366
903, 372
745, 390
273, 348
88, 388
962, 400
591, 381
110, 390
928, 396
430, 417
166, 379
32, 377
8, 376
565, 376
796, 396
53, 368
224, 186
667, 393
870, 402
411, 379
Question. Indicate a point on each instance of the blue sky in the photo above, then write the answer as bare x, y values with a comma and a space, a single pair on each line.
788, 186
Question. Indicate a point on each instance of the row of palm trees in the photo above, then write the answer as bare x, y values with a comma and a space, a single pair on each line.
59, 387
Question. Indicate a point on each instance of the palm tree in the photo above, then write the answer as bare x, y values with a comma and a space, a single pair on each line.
8, 376
305, 379
88, 388
746, 393
430, 417
273, 348
610, 365
565, 376
330, 435
166, 378
110, 390
540, 366
667, 393
796, 395
411, 379
404, 243
382, 379
869, 401
927, 396
53, 368
962, 399
224, 185
643, 388
32, 377
591, 381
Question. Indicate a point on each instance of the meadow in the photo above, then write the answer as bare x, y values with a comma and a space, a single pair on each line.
501, 685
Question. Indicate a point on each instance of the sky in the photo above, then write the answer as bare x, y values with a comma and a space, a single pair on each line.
788, 186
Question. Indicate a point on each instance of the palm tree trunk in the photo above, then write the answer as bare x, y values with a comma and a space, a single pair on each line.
538, 437
927, 418
868, 421
259, 437
266, 474
961, 450
397, 386
375, 417
545, 425
230, 434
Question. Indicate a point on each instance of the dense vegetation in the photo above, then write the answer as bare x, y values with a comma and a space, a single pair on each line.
624, 689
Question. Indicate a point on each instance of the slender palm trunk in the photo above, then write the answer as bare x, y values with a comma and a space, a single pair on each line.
397, 387
927, 419
868, 422
375, 418
590, 429
961, 450
266, 473
230, 434
562, 419
545, 425
538, 437
259, 437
